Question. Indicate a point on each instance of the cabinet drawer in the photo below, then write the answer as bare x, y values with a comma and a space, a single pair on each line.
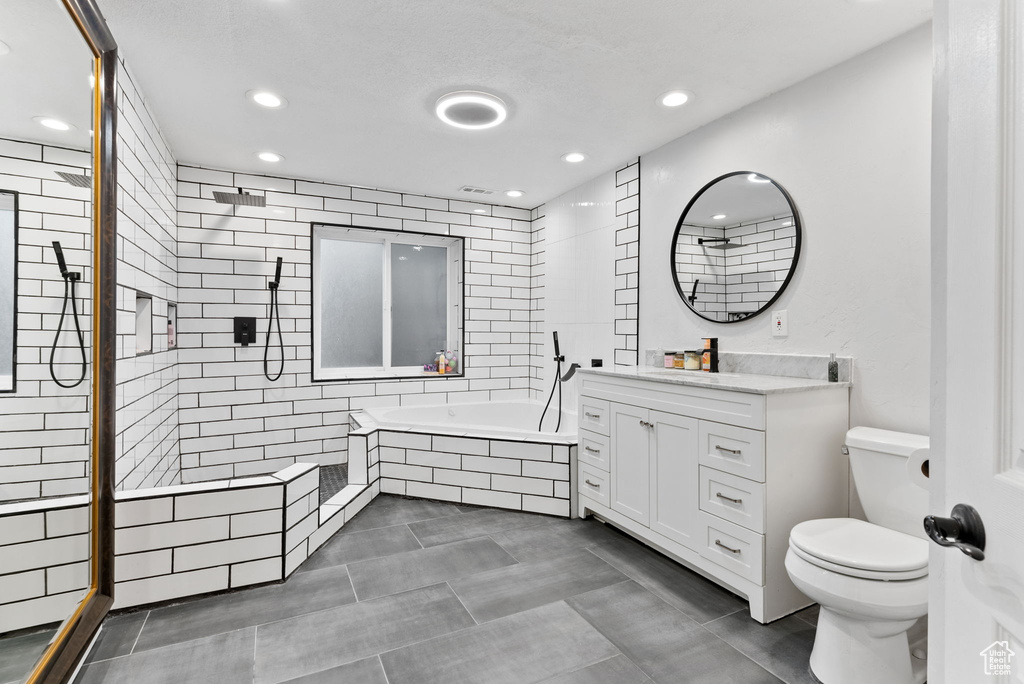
733, 547
593, 450
594, 484
732, 449
736, 499
594, 415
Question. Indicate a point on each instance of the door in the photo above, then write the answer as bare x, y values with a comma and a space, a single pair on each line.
631, 462
976, 608
675, 482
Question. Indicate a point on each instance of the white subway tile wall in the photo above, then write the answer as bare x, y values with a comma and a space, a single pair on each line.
44, 569
514, 474
742, 279
147, 383
233, 421
44, 428
627, 263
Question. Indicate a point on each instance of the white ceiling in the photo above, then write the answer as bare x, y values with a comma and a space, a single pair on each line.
361, 79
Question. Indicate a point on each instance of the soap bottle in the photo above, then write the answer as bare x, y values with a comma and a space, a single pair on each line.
440, 362
833, 368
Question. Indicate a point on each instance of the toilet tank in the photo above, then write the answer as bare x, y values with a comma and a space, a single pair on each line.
879, 460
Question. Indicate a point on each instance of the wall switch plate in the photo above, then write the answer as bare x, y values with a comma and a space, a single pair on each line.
780, 328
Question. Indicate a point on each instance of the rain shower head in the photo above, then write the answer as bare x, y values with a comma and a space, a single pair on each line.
78, 180
717, 243
240, 198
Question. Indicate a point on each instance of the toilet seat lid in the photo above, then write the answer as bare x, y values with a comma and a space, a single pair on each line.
861, 546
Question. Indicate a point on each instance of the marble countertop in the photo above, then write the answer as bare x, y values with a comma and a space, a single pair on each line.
736, 382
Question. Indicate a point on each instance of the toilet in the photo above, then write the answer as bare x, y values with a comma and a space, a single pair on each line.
870, 578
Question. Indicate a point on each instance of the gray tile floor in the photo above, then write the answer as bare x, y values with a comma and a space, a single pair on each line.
415, 592
20, 651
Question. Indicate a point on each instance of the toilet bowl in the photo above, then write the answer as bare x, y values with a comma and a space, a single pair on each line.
870, 578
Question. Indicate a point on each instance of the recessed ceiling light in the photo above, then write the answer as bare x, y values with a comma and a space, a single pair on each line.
4, 48
471, 109
754, 178
514, 193
270, 157
718, 217
574, 157
55, 124
674, 98
267, 99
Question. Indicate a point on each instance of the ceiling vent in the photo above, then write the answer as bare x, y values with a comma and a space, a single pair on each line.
470, 190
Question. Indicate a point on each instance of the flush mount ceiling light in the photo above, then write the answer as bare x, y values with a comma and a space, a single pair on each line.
514, 193
54, 124
471, 109
674, 98
574, 157
265, 98
754, 178
718, 217
271, 157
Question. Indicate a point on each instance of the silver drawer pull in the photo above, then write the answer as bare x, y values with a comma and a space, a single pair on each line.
720, 495
731, 451
591, 415
592, 450
719, 543
592, 484
646, 424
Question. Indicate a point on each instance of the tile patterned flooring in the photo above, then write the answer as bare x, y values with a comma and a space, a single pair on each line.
416, 592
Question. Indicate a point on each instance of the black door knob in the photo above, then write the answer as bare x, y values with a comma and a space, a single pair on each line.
963, 530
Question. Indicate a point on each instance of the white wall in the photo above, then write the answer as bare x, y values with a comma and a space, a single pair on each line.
852, 147
147, 385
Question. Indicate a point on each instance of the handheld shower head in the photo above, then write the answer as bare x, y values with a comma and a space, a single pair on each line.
60, 259
277, 275
558, 354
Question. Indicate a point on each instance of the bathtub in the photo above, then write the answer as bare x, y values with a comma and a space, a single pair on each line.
514, 419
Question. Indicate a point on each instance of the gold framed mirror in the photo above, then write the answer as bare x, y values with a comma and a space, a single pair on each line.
57, 433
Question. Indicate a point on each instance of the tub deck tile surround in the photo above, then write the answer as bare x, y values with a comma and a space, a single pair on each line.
608, 626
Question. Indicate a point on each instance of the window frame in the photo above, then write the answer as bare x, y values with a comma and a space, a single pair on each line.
455, 299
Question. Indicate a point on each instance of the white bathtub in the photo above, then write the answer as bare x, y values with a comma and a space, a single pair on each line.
516, 419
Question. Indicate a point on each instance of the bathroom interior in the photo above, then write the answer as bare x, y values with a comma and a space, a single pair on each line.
467, 342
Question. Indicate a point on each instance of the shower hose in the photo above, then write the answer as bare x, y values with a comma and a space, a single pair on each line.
275, 314
69, 293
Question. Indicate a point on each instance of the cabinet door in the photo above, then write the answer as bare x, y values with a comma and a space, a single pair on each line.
675, 481
631, 462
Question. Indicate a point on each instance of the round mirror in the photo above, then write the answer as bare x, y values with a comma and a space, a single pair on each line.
736, 247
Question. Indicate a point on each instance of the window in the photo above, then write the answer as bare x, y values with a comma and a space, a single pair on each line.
384, 302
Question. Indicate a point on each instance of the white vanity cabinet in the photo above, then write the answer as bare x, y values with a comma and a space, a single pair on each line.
715, 471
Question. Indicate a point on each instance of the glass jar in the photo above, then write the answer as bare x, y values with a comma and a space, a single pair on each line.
691, 360
680, 360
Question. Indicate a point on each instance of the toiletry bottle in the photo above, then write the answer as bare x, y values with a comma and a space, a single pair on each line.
440, 362
171, 343
833, 368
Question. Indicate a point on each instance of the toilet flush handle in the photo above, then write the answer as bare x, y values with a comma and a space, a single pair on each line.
963, 530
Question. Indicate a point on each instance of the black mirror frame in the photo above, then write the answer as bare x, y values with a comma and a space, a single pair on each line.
792, 267
14, 321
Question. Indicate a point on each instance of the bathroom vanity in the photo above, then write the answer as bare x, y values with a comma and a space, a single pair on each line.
714, 469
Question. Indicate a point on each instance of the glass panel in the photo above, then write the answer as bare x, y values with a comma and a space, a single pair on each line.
7, 251
419, 302
45, 131
351, 304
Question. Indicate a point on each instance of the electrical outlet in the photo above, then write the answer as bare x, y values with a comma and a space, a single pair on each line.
780, 328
